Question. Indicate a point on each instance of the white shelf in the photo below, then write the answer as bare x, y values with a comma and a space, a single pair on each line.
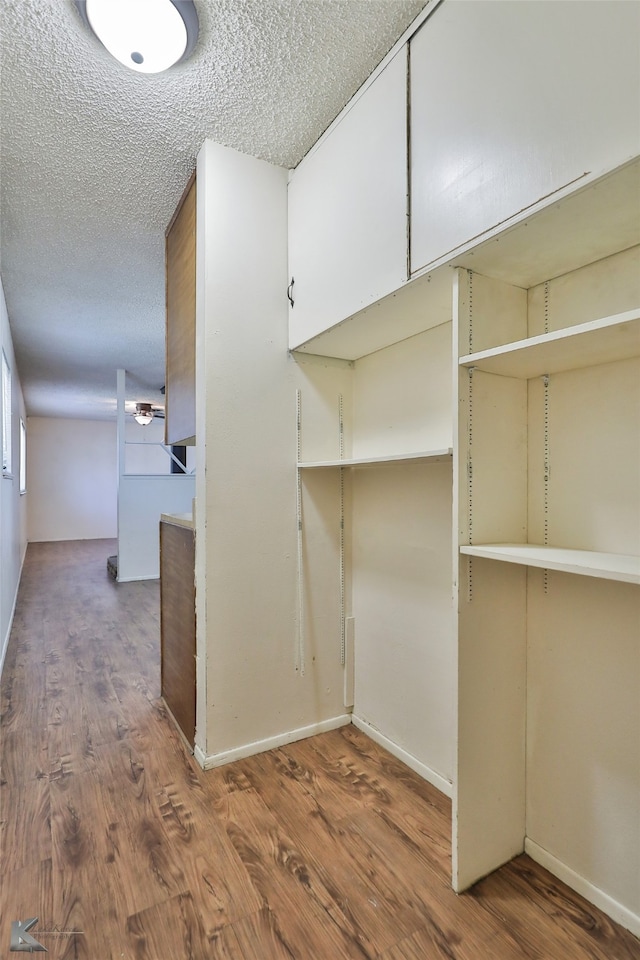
584, 345
416, 306
605, 566
425, 456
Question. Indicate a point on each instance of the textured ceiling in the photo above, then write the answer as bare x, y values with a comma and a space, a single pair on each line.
94, 157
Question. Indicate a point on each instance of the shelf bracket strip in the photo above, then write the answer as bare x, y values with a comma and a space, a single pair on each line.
547, 474
343, 620
470, 484
300, 644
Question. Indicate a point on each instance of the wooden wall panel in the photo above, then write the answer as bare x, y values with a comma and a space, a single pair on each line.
180, 423
178, 619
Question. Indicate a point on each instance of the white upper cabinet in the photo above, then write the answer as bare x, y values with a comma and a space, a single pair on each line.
348, 209
511, 102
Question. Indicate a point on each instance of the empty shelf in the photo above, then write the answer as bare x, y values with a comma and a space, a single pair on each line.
425, 456
599, 341
588, 563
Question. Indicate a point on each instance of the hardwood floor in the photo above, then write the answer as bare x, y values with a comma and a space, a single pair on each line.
322, 850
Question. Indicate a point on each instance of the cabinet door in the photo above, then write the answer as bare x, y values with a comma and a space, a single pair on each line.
348, 210
511, 102
180, 424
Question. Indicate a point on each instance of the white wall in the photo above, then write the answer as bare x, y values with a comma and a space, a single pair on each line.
73, 488
146, 489
404, 643
583, 723
249, 690
402, 595
13, 538
397, 540
72, 479
142, 455
141, 500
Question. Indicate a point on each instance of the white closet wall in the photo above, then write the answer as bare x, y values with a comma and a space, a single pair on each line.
395, 590
402, 607
257, 685
403, 396
583, 729
401, 527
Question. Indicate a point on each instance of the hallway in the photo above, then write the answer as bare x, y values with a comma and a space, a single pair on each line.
124, 849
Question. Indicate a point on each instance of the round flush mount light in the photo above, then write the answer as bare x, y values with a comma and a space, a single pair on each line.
148, 36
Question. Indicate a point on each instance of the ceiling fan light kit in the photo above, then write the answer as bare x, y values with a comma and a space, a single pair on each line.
143, 414
147, 36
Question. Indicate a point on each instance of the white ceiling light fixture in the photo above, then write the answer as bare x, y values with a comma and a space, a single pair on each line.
148, 36
143, 414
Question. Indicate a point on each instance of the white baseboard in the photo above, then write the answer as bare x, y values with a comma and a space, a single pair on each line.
435, 779
200, 756
260, 746
5, 639
588, 890
151, 576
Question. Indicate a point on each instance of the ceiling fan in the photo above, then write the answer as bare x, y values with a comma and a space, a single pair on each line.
145, 412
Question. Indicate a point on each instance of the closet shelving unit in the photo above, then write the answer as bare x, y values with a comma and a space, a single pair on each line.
540, 424
547, 477
601, 341
374, 499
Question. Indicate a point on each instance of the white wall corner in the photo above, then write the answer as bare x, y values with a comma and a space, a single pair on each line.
271, 743
617, 911
431, 776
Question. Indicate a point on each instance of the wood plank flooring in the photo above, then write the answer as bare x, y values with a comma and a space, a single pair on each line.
327, 849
